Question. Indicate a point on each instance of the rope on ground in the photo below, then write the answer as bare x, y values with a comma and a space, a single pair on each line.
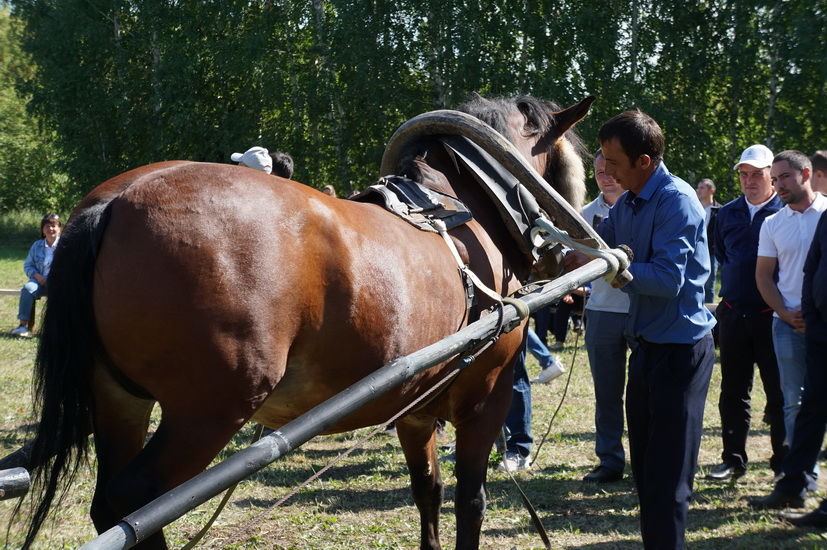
535, 518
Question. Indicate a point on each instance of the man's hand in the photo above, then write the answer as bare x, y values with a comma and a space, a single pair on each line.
41, 280
793, 318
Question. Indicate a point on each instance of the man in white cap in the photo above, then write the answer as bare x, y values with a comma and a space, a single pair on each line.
744, 319
257, 158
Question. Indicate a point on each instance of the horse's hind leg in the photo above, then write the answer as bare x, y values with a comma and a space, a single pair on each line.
185, 442
183, 445
120, 426
475, 437
418, 439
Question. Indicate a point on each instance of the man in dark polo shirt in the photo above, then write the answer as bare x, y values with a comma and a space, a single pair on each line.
744, 319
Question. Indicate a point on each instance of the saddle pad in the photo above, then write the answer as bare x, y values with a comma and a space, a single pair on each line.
415, 203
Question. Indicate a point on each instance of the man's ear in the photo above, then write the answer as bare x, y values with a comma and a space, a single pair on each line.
805, 175
644, 162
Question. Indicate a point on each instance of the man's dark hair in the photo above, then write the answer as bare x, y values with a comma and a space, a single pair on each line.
282, 165
638, 134
796, 159
819, 160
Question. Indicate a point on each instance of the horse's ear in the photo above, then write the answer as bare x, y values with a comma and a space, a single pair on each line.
570, 116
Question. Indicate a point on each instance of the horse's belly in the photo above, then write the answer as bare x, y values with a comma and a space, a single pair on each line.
282, 407
311, 378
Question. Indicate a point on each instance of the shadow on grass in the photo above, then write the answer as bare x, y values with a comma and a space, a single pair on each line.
337, 500
24, 432
774, 540
563, 506
9, 336
341, 473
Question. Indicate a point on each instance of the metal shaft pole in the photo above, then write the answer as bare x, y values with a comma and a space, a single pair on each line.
190, 494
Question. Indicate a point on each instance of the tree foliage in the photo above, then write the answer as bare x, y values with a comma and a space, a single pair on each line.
122, 83
30, 175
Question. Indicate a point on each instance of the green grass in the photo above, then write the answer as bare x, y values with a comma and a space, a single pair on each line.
17, 233
364, 502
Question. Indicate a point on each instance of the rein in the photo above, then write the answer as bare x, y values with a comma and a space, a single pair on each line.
224, 500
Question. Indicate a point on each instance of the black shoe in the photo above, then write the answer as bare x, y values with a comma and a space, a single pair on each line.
602, 474
816, 518
725, 472
777, 499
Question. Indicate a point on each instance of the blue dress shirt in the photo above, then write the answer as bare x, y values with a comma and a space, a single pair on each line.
664, 227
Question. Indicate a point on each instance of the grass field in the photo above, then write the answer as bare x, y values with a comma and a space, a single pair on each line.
364, 501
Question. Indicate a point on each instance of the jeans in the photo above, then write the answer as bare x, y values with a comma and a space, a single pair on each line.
800, 464
518, 421
606, 346
542, 321
791, 351
538, 349
30, 292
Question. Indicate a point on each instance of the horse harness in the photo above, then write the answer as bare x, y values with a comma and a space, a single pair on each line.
436, 212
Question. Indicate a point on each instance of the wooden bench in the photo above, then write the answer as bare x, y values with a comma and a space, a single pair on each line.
16, 292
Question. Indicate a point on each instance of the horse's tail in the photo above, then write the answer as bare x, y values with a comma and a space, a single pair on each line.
62, 372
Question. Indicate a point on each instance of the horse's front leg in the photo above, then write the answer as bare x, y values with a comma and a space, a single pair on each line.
475, 437
418, 439
470, 498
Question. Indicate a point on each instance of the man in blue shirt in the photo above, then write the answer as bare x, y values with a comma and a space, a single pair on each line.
660, 219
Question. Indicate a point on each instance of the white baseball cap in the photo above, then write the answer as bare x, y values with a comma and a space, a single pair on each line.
758, 155
254, 157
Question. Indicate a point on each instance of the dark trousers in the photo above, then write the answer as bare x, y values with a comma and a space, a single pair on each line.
561, 315
542, 322
745, 341
811, 422
665, 399
606, 345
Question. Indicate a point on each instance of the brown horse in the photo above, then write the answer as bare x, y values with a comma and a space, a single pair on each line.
227, 295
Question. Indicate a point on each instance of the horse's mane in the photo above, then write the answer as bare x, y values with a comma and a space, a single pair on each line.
565, 172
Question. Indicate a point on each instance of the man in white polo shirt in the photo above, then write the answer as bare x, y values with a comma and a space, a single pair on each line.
783, 243
607, 311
